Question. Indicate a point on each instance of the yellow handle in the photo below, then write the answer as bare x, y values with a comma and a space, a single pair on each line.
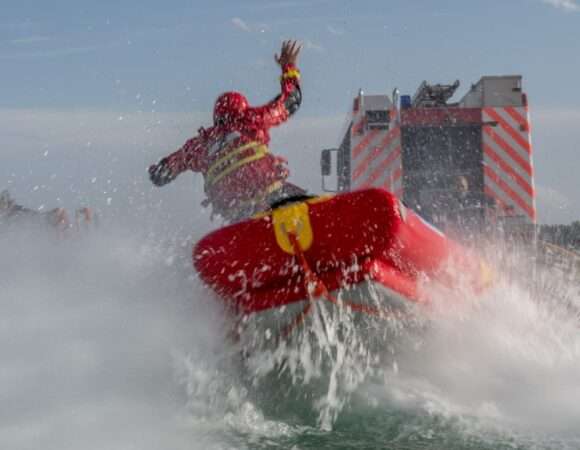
292, 219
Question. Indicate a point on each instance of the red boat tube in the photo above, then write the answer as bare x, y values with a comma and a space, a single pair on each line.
341, 241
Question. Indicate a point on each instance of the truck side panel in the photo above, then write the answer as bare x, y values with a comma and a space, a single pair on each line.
508, 164
375, 156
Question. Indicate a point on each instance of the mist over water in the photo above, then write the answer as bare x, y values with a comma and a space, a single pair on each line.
508, 364
88, 329
108, 340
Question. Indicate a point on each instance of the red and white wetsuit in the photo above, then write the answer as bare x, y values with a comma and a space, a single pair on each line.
240, 173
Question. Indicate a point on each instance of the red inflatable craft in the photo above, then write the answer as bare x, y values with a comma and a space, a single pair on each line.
312, 248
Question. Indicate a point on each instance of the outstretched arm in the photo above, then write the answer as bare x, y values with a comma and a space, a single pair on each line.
188, 157
290, 98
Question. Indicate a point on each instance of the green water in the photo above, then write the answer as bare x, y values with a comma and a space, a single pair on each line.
384, 427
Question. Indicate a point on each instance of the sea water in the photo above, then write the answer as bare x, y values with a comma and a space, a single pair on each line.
108, 340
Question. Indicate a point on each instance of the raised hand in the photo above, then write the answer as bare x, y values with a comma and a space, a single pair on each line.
288, 53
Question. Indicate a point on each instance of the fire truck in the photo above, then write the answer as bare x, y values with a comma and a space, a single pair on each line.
464, 163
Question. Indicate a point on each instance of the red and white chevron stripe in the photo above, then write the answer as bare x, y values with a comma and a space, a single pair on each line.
508, 167
376, 158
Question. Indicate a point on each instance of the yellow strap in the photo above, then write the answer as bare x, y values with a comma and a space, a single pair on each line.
292, 73
214, 174
214, 167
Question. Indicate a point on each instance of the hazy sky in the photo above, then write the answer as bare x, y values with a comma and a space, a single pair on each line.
92, 92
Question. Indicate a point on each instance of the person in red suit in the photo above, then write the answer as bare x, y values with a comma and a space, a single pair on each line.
242, 177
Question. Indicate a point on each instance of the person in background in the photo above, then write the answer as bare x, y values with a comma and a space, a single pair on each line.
241, 176
13, 213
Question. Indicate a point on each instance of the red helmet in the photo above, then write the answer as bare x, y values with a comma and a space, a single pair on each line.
228, 106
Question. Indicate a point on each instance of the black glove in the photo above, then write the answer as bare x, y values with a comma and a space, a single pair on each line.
160, 173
